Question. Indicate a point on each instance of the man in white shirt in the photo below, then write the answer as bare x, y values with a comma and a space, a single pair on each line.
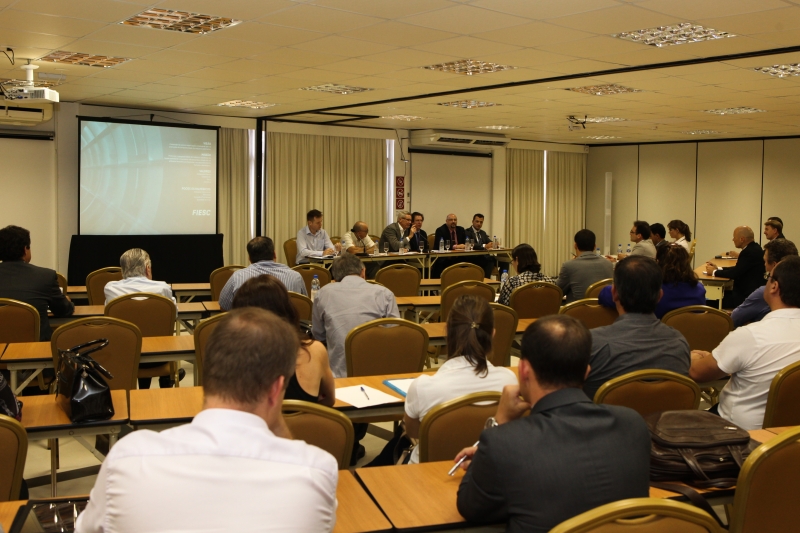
312, 240
358, 241
753, 354
234, 468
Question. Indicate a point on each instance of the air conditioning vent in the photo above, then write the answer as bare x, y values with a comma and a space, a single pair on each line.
443, 138
454, 140
485, 142
25, 116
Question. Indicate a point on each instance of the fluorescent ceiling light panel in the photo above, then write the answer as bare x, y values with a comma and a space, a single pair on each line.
407, 118
600, 120
498, 127
182, 21
88, 60
734, 111
246, 103
600, 137
604, 90
468, 104
335, 88
703, 132
781, 71
682, 33
6, 82
469, 67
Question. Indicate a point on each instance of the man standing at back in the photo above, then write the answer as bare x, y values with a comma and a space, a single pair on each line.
586, 268
748, 272
20, 280
235, 467
312, 240
637, 340
568, 456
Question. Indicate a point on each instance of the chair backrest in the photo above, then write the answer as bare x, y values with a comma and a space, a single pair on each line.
505, 329
336, 240
590, 312
703, 327
153, 314
96, 282
290, 251
768, 487
19, 322
308, 272
641, 515
593, 291
451, 294
537, 299
375, 238
650, 391
783, 402
402, 280
691, 250
202, 332
460, 272
219, 278
386, 346
62, 282
452, 426
13, 452
302, 304
432, 242
322, 427
120, 357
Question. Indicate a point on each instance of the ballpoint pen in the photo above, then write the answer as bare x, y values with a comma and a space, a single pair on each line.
365, 393
455, 466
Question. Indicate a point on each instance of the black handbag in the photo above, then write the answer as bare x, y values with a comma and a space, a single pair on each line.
81, 390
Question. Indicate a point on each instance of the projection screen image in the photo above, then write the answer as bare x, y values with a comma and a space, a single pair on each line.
138, 179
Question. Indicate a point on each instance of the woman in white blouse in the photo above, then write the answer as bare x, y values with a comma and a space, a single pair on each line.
679, 230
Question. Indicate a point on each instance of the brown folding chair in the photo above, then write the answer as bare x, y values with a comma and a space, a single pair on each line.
783, 402
460, 272
308, 272
322, 427
202, 332
432, 241
537, 299
451, 294
13, 452
452, 426
590, 312
703, 327
290, 251
62, 283
650, 391
402, 280
386, 346
96, 283
505, 329
768, 487
302, 304
593, 291
19, 322
219, 278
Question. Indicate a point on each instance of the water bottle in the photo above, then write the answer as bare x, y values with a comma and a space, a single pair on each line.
597, 252
494, 243
503, 278
314, 287
441, 245
629, 249
619, 248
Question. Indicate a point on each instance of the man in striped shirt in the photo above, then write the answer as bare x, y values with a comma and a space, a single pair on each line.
261, 251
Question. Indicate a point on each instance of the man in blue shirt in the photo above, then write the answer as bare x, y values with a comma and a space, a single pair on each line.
754, 308
312, 240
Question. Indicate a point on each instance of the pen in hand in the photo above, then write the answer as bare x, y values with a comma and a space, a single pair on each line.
460, 461
365, 393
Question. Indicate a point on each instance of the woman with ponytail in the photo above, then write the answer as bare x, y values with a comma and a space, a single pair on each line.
679, 230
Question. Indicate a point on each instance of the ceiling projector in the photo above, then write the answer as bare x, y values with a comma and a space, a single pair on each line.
26, 92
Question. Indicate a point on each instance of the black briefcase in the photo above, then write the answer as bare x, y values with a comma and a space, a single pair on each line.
81, 390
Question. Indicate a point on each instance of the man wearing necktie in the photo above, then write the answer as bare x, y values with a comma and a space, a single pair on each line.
420, 237
482, 242
449, 231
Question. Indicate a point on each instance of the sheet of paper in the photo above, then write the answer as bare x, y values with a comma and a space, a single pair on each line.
400, 386
356, 397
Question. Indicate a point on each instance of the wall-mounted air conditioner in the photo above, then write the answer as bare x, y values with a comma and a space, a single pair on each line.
459, 140
25, 116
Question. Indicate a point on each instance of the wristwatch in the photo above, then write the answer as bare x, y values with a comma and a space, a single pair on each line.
490, 423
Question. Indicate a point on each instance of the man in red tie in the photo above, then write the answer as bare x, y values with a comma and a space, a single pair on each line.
449, 231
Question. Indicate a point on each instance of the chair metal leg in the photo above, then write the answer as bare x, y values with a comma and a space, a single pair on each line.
53, 443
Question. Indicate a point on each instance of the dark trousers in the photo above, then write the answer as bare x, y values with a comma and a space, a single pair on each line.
164, 382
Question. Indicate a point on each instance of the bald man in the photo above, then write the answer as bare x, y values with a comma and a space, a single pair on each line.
449, 231
358, 241
748, 272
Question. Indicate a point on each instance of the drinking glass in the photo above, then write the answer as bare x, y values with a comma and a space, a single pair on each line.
386, 247
447, 245
421, 247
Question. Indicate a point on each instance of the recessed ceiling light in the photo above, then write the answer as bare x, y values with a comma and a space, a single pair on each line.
604, 90
734, 111
498, 127
469, 67
600, 137
335, 88
407, 118
781, 71
182, 21
88, 60
468, 104
702, 132
682, 33
599, 120
7, 82
246, 103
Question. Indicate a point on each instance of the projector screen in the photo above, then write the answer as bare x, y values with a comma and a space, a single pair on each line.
141, 178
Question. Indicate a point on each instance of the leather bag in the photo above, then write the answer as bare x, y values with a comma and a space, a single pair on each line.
81, 390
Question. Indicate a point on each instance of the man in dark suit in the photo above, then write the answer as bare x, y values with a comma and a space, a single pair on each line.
449, 231
564, 458
658, 235
397, 234
482, 242
20, 280
748, 272
419, 237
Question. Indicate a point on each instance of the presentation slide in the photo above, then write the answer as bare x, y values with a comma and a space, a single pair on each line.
146, 179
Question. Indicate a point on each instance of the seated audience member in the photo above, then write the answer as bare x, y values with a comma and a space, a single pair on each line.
679, 230
754, 308
261, 252
419, 237
566, 457
449, 231
525, 262
137, 276
748, 272
753, 354
637, 340
358, 241
482, 242
642, 245
657, 234
680, 286
312, 380
773, 229
586, 268
350, 302
235, 467
312, 240
470, 328
398, 235
20, 280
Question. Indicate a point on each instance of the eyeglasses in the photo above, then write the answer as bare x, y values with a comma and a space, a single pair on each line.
767, 275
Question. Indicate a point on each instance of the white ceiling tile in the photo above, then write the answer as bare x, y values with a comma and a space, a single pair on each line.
465, 20
298, 58
47, 24
255, 32
616, 19
142, 36
342, 46
534, 34
104, 10
545, 10
310, 17
104, 48
398, 34
691, 10
235, 9
389, 9
466, 47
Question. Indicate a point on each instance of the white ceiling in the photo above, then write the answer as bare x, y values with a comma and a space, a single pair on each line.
283, 45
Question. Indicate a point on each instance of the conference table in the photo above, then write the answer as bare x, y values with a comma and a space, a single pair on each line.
715, 286
189, 313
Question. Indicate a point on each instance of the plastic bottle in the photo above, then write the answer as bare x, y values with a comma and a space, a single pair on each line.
503, 278
314, 287
441, 245
619, 248
629, 249
494, 243
597, 252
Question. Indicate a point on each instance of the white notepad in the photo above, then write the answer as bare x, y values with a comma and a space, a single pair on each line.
356, 397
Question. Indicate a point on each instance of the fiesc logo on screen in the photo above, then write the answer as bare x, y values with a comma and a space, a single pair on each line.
201, 212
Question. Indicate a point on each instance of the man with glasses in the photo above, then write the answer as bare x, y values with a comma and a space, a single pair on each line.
420, 237
358, 241
398, 235
455, 234
642, 245
754, 308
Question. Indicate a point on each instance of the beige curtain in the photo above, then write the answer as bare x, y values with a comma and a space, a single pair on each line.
341, 176
525, 199
565, 207
234, 194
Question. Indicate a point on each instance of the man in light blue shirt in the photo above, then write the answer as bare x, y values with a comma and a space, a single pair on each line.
312, 240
